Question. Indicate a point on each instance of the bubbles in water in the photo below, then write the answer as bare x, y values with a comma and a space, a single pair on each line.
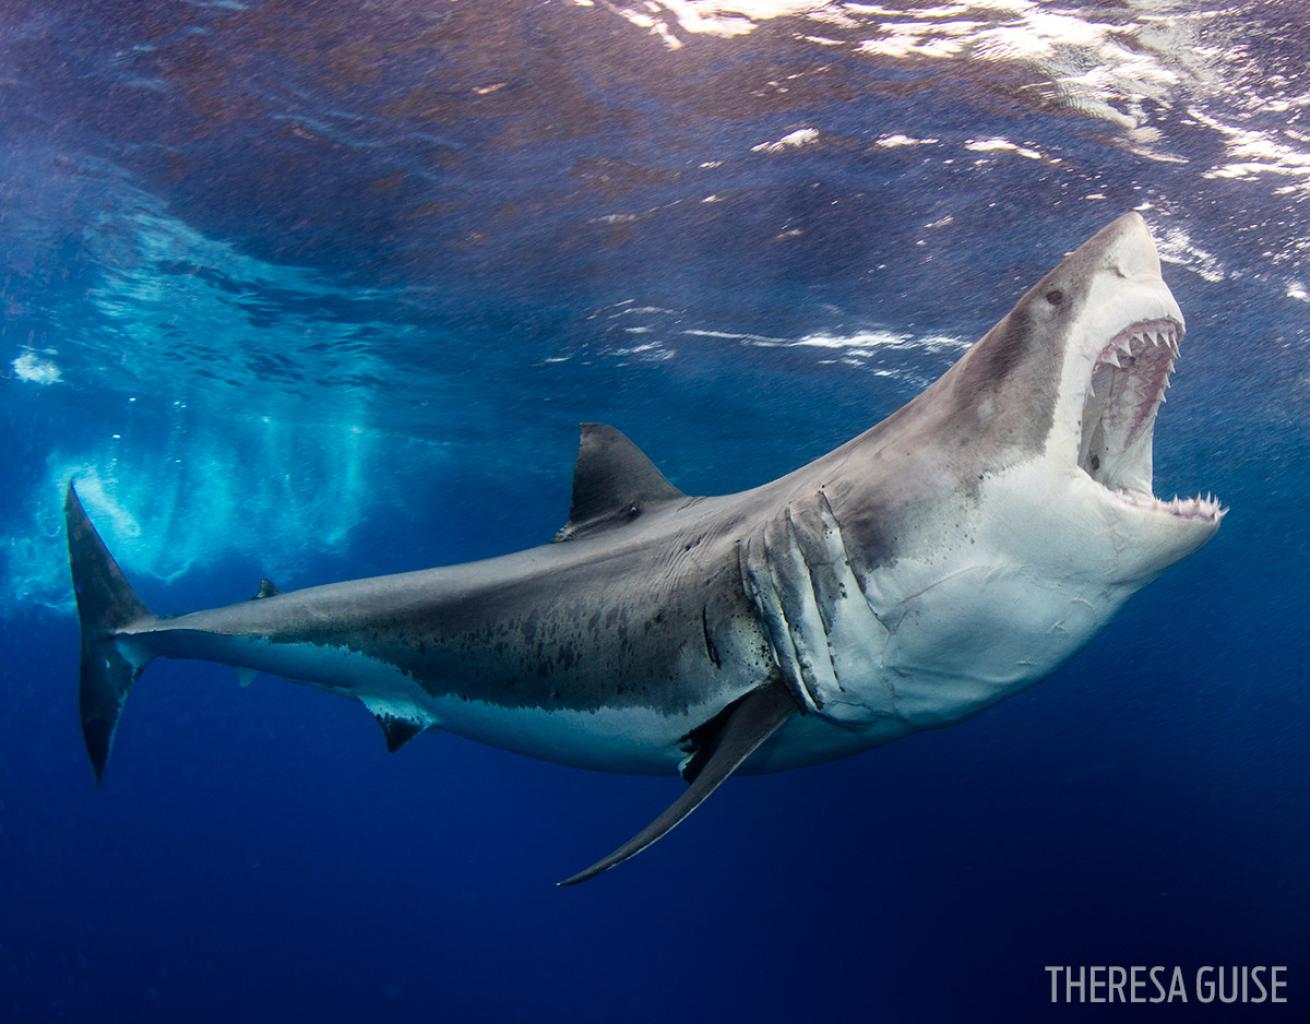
208, 490
32, 369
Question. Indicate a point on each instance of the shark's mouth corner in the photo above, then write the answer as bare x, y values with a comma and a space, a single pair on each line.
1126, 388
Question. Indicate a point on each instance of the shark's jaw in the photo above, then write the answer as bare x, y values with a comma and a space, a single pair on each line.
1119, 330
1123, 394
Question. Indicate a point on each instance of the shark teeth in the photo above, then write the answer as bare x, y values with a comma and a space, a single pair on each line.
1207, 508
1144, 353
1125, 389
1139, 361
1146, 339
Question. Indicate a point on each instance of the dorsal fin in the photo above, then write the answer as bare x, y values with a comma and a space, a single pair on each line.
267, 588
613, 482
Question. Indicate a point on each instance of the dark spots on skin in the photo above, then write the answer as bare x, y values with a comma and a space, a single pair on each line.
568, 656
546, 645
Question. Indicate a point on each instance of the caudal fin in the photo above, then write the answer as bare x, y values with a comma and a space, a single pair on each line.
106, 605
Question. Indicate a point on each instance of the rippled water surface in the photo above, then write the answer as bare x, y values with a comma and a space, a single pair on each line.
316, 290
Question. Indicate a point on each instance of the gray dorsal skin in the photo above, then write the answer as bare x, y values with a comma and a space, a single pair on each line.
948, 557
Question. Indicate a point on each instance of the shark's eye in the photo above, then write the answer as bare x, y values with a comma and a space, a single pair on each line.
1055, 296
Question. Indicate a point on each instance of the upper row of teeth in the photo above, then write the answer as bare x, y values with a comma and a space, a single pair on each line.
1134, 343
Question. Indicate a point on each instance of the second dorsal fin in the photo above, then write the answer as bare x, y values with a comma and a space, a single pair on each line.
613, 482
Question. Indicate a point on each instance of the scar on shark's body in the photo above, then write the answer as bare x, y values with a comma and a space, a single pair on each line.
948, 557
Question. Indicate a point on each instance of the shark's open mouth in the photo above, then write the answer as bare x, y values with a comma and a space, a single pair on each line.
1127, 386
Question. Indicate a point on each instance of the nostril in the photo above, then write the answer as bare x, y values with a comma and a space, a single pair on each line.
1055, 296
1096, 463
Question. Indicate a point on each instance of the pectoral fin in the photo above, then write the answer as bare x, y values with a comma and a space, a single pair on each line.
398, 731
753, 720
398, 726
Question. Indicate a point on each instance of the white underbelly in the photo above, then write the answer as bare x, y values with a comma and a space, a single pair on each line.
632, 740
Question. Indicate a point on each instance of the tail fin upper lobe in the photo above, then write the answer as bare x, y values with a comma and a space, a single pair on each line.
106, 604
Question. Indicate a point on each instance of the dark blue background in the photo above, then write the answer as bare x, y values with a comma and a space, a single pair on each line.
359, 315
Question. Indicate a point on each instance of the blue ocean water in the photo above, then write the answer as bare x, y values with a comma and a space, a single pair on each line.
320, 291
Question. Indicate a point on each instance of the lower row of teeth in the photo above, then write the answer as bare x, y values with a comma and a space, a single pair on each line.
1207, 507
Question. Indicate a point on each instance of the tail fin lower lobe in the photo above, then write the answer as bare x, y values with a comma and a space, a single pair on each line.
106, 604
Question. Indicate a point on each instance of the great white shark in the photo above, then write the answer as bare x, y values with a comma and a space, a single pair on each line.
945, 559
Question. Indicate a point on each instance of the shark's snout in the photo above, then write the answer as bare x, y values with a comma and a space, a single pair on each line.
1129, 248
